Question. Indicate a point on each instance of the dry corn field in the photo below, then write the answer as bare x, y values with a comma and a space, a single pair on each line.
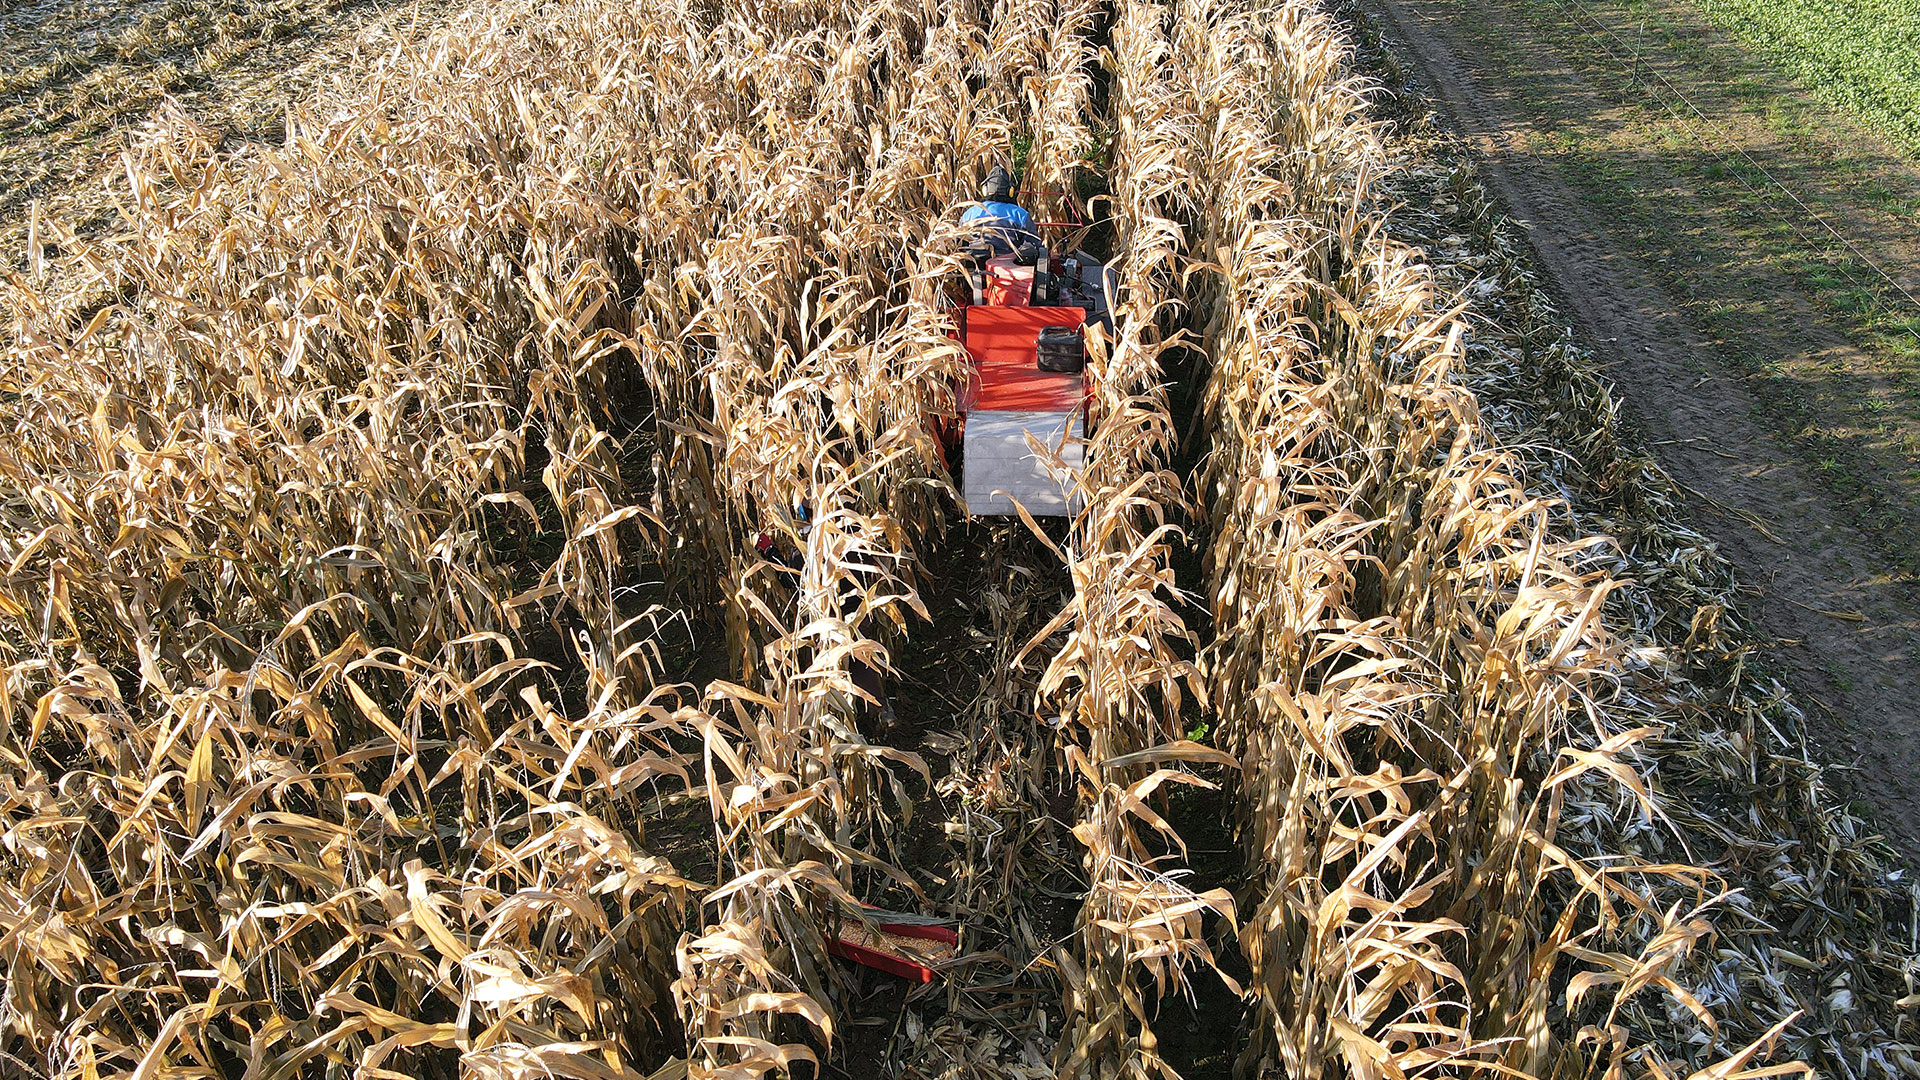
394, 687
78, 78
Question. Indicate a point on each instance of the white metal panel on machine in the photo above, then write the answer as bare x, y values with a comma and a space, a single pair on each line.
1001, 466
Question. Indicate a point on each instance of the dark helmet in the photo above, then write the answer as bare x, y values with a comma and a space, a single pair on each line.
999, 185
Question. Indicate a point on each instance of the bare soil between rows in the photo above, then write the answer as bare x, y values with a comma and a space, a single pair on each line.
1802, 563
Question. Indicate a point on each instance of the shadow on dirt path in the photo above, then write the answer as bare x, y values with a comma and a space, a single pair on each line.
1791, 547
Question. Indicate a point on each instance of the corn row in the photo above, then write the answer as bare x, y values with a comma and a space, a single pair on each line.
275, 458
1726, 729
823, 338
1403, 650
1121, 676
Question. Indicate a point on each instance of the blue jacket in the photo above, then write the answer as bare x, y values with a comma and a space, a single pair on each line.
1014, 224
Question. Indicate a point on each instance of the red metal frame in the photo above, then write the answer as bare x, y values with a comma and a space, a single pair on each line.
1001, 343
1006, 285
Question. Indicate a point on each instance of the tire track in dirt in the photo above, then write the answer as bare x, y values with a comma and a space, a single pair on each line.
1855, 680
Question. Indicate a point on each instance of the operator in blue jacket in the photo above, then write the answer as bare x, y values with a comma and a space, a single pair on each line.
1009, 225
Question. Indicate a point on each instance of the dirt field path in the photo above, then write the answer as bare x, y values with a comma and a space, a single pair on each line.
1748, 490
